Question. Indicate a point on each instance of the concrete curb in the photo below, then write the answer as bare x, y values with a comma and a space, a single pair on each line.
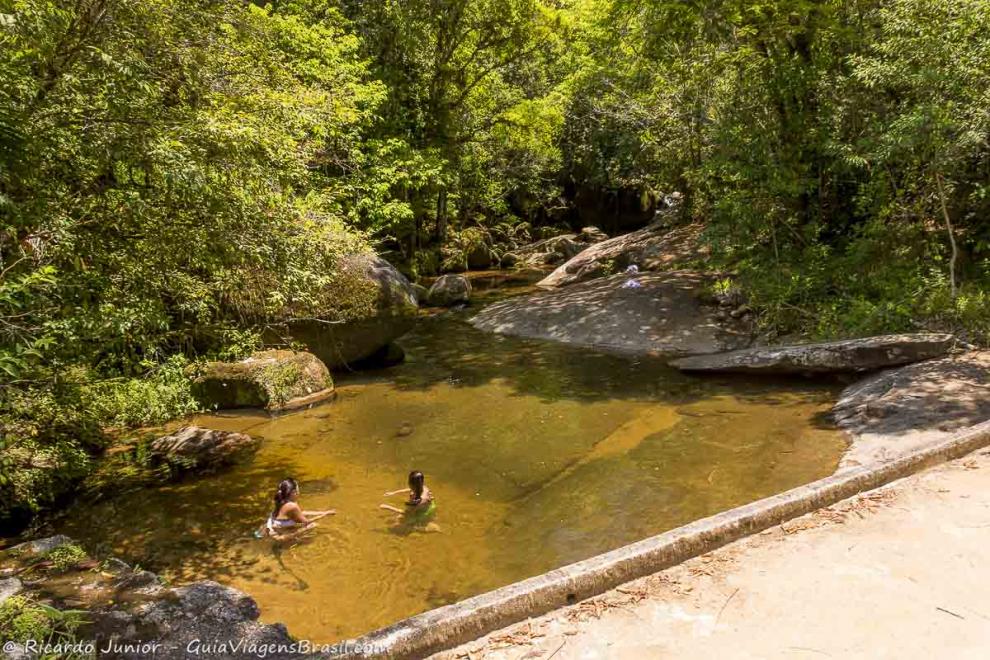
448, 626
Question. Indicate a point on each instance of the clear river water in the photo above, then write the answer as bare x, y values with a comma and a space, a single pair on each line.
539, 455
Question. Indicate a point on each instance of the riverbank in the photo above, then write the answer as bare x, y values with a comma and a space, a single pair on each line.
911, 553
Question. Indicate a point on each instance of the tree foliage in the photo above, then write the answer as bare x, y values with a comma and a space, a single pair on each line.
816, 140
175, 173
158, 190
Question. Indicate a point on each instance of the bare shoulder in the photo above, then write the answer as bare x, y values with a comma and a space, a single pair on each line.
288, 508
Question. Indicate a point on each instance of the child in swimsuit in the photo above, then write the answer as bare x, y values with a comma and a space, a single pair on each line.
420, 504
287, 519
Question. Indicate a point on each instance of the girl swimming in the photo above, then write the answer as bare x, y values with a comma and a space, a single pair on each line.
287, 520
420, 503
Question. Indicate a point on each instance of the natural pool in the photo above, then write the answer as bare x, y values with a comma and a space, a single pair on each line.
539, 455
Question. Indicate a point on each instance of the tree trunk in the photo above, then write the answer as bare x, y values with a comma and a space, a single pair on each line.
442, 216
952, 235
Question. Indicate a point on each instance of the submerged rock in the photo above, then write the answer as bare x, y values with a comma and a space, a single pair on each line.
866, 354
276, 380
650, 249
391, 314
196, 449
449, 290
902, 409
663, 314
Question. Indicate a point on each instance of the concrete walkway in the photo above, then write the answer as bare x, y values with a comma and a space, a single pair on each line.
900, 572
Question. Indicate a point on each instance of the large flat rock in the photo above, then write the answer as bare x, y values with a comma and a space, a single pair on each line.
653, 248
851, 355
902, 409
667, 314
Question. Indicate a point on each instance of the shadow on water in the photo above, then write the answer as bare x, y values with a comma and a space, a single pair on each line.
211, 518
447, 349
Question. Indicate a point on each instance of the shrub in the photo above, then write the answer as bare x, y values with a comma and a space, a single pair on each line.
22, 619
162, 394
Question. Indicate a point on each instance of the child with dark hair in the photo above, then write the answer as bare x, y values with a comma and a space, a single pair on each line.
288, 519
420, 504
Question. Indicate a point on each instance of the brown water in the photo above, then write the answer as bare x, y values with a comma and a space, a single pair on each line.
539, 455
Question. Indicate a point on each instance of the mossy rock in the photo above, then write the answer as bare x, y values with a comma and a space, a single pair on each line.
422, 293
450, 290
342, 343
481, 256
275, 380
426, 263
39, 547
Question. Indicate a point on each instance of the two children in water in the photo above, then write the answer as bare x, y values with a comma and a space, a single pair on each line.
288, 520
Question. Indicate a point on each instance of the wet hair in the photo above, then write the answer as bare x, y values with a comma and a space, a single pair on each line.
416, 485
282, 494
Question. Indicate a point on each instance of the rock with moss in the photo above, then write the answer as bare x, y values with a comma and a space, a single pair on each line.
196, 449
381, 307
134, 609
421, 293
545, 252
449, 290
39, 547
470, 248
64, 557
481, 256
275, 380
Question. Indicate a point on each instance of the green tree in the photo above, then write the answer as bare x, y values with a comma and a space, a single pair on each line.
157, 192
471, 94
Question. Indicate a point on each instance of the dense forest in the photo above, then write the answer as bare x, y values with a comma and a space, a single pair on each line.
176, 173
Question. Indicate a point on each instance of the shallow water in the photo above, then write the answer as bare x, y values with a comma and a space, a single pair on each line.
538, 454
